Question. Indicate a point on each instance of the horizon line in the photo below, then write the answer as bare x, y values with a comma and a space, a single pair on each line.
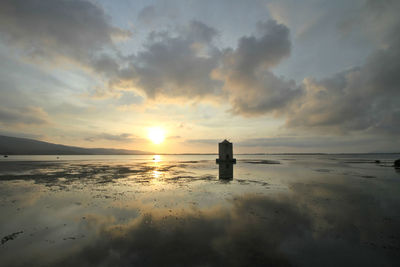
166, 154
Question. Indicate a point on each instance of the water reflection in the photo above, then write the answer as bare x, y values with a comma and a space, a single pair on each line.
122, 214
225, 171
300, 229
156, 174
156, 158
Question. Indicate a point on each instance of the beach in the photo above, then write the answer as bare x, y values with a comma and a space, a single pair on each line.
173, 210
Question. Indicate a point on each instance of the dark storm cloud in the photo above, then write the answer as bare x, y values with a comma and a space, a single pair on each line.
72, 29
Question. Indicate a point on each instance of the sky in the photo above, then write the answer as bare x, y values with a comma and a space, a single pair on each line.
270, 76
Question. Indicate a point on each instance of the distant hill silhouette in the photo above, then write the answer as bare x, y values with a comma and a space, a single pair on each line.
24, 146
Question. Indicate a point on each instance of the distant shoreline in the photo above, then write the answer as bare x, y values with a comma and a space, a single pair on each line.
204, 154
30, 147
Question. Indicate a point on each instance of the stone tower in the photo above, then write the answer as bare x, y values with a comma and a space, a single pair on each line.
225, 151
225, 160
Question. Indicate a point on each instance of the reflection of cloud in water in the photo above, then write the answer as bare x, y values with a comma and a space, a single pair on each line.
179, 213
303, 229
249, 233
20, 193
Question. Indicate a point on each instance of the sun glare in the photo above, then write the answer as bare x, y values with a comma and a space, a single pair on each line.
156, 135
157, 158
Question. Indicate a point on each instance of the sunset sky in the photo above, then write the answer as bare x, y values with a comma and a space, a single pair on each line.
271, 76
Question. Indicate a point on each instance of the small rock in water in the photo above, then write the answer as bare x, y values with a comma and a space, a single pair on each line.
10, 237
397, 163
377, 161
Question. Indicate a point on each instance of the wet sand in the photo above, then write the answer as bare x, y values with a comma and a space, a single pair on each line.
314, 210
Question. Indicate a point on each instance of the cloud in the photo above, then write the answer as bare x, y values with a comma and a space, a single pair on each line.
69, 29
176, 65
186, 64
23, 116
147, 14
21, 134
129, 98
252, 88
124, 137
262, 52
203, 141
364, 98
329, 143
302, 142
174, 137
376, 20
106, 65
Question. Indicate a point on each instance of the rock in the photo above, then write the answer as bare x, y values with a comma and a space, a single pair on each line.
10, 237
397, 163
377, 161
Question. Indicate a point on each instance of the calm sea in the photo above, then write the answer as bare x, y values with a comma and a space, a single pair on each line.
174, 210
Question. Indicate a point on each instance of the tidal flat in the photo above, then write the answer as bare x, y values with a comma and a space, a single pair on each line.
173, 210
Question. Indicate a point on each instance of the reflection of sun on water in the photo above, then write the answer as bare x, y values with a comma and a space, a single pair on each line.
156, 158
156, 135
156, 174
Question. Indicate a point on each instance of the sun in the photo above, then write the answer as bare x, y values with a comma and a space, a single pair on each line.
156, 135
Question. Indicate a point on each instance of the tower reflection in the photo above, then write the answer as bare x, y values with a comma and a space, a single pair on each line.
226, 171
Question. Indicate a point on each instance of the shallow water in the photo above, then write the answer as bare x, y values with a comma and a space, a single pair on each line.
308, 210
